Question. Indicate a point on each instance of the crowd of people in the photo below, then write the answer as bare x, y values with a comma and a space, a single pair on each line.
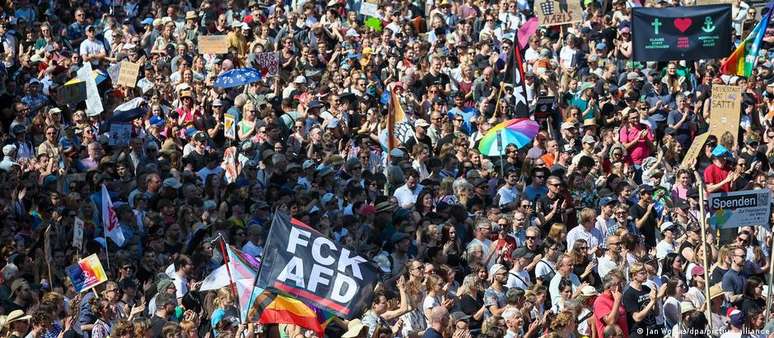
594, 229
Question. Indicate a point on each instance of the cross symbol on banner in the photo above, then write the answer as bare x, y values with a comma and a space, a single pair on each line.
656, 25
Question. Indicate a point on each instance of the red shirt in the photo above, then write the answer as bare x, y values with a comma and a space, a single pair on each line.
640, 150
602, 307
714, 175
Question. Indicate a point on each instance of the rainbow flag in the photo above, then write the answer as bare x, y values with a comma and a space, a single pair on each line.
742, 61
87, 274
272, 308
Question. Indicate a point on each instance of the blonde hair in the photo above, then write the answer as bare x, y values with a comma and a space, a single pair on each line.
556, 231
223, 298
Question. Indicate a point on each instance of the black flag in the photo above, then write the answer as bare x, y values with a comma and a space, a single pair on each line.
516, 74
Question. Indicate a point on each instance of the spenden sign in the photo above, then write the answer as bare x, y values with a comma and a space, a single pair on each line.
300, 261
740, 208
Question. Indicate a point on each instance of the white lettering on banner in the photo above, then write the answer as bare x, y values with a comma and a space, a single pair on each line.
294, 271
317, 252
334, 269
295, 239
339, 284
318, 278
345, 260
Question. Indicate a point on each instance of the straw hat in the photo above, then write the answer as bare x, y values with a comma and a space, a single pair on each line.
354, 327
16, 315
716, 291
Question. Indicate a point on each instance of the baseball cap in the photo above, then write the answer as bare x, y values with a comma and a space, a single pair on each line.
567, 125
589, 139
607, 201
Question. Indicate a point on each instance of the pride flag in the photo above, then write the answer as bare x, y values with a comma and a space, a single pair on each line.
742, 61
87, 274
272, 308
244, 270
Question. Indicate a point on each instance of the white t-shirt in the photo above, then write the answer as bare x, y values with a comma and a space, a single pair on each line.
518, 279
663, 249
507, 195
89, 47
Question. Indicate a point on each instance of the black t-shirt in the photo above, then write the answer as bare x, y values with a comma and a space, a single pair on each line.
470, 306
649, 228
717, 275
439, 79
157, 325
634, 301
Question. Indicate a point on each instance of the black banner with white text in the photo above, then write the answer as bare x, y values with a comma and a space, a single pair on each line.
300, 261
681, 33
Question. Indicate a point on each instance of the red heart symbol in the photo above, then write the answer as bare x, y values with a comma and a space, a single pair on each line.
682, 24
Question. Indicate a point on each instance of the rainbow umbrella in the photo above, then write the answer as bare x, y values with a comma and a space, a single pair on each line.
518, 132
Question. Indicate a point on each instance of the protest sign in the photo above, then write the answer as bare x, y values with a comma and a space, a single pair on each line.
120, 134
114, 71
300, 261
229, 126
725, 110
230, 165
213, 44
128, 73
558, 12
87, 274
544, 107
740, 208
93, 101
694, 150
78, 234
72, 93
268, 63
681, 33
370, 8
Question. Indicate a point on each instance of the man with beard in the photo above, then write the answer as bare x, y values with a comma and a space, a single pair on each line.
21, 296
183, 269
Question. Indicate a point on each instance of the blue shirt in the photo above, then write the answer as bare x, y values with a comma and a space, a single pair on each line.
733, 281
432, 333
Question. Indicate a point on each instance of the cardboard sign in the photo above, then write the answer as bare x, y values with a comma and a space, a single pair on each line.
229, 126
213, 44
127, 76
300, 261
370, 8
725, 110
78, 234
740, 208
267, 63
119, 134
558, 12
681, 33
695, 149
87, 274
72, 93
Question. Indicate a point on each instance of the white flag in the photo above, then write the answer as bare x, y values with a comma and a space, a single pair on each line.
110, 220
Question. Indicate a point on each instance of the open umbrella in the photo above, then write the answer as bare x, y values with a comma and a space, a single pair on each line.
237, 77
519, 132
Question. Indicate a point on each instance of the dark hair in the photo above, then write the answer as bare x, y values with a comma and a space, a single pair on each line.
666, 264
750, 285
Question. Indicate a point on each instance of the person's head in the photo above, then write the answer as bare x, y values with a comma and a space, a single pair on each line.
753, 288
532, 237
638, 273
565, 265
738, 258
439, 317
184, 265
379, 302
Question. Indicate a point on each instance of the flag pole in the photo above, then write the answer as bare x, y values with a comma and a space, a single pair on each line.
703, 222
231, 284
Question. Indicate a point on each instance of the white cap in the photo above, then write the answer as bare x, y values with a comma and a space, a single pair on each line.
299, 79
307, 164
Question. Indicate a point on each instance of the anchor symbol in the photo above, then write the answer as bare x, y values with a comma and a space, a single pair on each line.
709, 26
